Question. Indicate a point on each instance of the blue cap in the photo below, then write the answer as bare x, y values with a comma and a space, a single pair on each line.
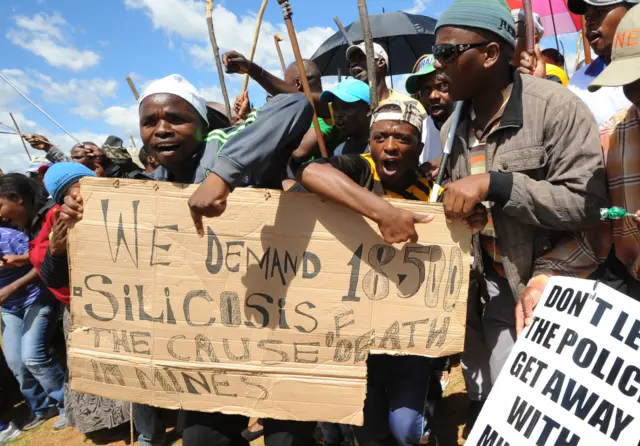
62, 175
350, 90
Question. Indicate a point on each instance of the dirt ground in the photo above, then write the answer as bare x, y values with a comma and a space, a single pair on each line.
451, 414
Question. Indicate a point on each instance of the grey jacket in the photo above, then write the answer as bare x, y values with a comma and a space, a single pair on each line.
256, 152
547, 174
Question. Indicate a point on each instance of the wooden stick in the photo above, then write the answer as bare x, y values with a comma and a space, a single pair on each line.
21, 139
133, 87
287, 12
216, 56
39, 109
277, 38
133, 440
585, 41
9, 127
368, 44
22, 135
254, 46
343, 31
529, 27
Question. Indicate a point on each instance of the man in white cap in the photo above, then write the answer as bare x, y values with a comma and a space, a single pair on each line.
602, 19
357, 61
175, 129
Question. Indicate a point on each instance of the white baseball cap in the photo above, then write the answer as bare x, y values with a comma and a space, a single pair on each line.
378, 51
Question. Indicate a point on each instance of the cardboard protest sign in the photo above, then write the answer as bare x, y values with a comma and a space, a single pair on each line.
271, 314
573, 377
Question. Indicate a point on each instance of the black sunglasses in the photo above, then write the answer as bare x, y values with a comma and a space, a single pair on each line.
448, 52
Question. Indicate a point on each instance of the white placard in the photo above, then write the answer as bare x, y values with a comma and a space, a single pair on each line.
573, 377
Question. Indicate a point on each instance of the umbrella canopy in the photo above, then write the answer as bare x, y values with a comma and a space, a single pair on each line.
404, 36
555, 14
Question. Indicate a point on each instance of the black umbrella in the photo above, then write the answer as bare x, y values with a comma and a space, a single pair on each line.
404, 36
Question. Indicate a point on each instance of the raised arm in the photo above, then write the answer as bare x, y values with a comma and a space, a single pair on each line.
396, 225
235, 62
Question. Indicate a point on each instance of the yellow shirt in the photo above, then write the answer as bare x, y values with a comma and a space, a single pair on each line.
395, 96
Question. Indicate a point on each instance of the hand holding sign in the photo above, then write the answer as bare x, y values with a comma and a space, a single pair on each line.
572, 377
528, 301
209, 200
462, 196
398, 225
72, 208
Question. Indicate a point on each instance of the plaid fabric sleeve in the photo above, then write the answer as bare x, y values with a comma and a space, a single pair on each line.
580, 254
571, 256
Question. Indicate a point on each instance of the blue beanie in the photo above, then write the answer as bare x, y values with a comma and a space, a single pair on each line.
491, 15
61, 176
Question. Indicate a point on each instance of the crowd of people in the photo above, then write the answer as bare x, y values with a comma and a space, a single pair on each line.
535, 157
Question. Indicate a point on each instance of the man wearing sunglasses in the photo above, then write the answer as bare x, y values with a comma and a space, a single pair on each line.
526, 147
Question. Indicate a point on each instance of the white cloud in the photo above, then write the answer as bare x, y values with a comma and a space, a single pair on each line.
419, 7
86, 95
186, 19
18, 78
212, 94
124, 119
46, 36
12, 155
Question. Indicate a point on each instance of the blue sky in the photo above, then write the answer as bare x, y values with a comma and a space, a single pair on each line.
71, 57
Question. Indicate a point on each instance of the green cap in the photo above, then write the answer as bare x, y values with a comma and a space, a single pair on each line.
426, 67
491, 15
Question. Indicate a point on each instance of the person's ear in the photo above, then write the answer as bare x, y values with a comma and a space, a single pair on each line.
298, 84
492, 55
